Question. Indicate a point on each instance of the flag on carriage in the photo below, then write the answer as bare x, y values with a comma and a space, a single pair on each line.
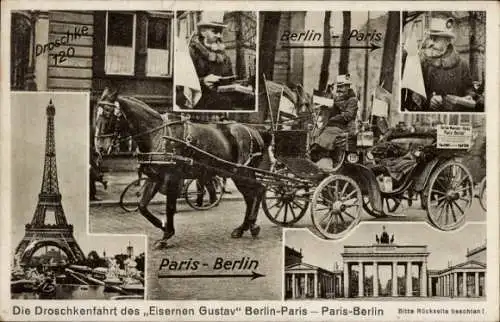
185, 74
280, 101
286, 107
381, 102
413, 79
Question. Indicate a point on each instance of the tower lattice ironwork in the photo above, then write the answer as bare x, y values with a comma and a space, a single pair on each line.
38, 233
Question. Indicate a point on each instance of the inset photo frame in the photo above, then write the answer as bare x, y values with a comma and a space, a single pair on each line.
216, 61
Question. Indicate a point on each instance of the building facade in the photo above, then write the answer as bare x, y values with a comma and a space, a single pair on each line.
90, 50
466, 279
303, 281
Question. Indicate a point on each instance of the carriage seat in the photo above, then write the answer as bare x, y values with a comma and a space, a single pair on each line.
303, 168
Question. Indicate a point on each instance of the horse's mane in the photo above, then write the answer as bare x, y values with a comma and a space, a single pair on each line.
145, 109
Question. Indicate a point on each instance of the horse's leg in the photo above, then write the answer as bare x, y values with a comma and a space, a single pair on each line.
257, 194
150, 189
252, 197
174, 185
243, 188
210, 184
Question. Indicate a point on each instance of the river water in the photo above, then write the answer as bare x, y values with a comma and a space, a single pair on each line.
71, 291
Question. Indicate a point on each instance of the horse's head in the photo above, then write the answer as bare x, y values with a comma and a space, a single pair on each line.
107, 113
125, 117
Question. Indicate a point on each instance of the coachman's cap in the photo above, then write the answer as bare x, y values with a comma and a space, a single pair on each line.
212, 19
441, 27
344, 79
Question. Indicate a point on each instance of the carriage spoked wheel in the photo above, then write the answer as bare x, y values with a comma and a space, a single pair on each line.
203, 197
285, 205
132, 194
389, 205
482, 193
449, 195
336, 206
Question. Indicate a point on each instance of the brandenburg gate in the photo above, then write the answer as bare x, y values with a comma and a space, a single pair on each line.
391, 256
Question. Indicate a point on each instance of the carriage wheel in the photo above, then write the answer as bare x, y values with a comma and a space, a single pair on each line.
336, 206
449, 195
389, 205
132, 194
285, 205
482, 193
198, 196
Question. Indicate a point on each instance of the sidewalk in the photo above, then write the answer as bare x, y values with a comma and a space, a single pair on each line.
117, 181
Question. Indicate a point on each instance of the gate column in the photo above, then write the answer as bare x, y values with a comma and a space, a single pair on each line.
361, 279
409, 286
423, 279
346, 279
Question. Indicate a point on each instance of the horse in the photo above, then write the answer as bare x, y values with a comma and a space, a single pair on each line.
232, 142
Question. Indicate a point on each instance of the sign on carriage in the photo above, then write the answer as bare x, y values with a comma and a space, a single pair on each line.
454, 136
249, 161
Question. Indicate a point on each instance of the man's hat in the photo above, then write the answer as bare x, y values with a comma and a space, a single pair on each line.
212, 19
344, 79
441, 27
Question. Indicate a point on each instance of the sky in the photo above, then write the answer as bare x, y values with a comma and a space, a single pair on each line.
442, 246
28, 146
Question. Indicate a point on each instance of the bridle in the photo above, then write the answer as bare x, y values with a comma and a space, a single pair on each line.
165, 126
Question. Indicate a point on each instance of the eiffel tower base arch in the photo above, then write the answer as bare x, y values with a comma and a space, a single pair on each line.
37, 238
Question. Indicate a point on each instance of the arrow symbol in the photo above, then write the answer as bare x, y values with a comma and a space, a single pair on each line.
372, 47
252, 276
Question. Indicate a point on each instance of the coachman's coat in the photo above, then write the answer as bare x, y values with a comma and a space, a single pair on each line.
447, 75
208, 62
342, 119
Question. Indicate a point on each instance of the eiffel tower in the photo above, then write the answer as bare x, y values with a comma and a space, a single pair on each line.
37, 233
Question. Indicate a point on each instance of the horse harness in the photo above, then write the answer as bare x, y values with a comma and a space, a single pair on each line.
167, 131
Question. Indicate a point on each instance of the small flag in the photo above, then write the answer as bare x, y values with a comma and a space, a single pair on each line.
412, 73
379, 107
185, 74
286, 106
381, 102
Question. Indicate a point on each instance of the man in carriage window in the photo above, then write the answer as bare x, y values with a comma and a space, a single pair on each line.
213, 66
341, 120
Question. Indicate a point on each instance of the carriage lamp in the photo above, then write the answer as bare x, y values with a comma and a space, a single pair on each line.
352, 157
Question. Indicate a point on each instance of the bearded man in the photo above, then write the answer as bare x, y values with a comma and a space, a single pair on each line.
211, 63
443, 70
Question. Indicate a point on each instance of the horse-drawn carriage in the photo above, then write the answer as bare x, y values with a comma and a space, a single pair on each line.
336, 199
293, 183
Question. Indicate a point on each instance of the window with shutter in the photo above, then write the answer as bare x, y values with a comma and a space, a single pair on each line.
120, 43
